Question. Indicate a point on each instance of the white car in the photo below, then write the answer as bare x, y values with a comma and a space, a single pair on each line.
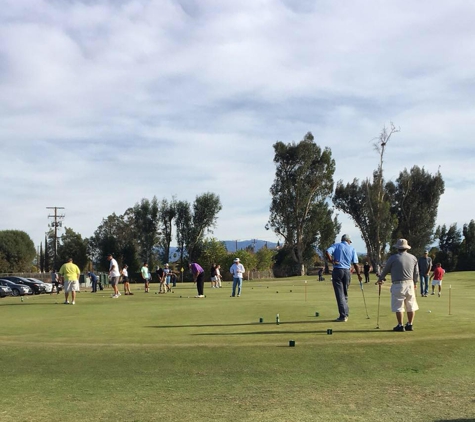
48, 286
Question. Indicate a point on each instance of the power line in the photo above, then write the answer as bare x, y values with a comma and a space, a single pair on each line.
55, 224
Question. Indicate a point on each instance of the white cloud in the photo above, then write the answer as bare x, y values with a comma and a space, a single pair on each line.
103, 103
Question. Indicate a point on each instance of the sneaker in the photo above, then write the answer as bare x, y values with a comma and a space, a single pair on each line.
340, 319
131, 294
409, 327
432, 294
118, 294
66, 302
200, 296
114, 296
73, 303
399, 328
438, 294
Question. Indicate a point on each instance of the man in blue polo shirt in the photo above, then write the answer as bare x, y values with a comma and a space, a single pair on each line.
342, 256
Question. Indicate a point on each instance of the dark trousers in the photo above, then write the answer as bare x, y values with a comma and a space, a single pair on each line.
341, 281
200, 283
94, 285
366, 277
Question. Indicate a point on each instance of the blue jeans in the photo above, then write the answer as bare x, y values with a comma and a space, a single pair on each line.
424, 284
237, 282
341, 281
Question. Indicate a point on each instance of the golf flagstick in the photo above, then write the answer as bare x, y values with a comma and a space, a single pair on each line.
450, 300
379, 301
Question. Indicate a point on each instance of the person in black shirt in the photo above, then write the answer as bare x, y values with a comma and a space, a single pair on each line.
366, 270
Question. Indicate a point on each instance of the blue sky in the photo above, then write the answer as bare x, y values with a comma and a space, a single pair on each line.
103, 103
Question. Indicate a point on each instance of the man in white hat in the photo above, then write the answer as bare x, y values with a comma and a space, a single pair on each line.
404, 275
237, 270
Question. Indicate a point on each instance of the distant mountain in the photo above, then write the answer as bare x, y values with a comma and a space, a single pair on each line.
237, 245
232, 246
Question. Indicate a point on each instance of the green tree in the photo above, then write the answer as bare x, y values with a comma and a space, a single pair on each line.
302, 185
450, 240
415, 204
265, 259
145, 219
114, 235
369, 204
212, 252
183, 226
47, 256
193, 223
205, 214
17, 251
467, 250
42, 258
72, 245
167, 213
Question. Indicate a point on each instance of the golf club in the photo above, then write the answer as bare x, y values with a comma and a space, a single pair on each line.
379, 301
364, 300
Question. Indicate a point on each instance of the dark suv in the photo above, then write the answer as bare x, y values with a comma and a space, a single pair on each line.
37, 288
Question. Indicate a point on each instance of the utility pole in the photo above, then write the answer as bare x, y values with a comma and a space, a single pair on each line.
56, 223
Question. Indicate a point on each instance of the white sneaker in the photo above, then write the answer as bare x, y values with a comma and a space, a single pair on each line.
114, 296
66, 302
438, 295
73, 303
118, 294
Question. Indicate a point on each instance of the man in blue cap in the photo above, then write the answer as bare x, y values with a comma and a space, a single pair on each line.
342, 256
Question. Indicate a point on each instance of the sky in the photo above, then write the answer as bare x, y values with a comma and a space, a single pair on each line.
106, 102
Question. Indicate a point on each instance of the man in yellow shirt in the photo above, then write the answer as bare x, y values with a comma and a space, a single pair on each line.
70, 275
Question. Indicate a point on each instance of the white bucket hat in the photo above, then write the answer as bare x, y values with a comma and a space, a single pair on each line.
402, 244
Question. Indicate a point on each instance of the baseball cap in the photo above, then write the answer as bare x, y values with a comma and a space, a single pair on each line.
346, 237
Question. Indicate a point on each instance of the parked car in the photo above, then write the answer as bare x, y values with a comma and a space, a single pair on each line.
37, 288
17, 289
48, 286
5, 291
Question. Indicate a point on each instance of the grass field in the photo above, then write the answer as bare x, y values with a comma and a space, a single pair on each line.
172, 357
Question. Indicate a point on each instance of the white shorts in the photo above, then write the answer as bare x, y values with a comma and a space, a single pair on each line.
71, 286
403, 297
437, 282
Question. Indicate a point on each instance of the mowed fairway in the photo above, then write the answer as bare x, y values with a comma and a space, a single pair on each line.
172, 357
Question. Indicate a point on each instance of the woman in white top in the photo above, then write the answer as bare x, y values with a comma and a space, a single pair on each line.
125, 279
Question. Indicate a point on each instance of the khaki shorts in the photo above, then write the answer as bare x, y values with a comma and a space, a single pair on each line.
114, 281
71, 286
403, 297
437, 282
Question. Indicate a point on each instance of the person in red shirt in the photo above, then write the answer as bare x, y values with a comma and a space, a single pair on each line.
436, 278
